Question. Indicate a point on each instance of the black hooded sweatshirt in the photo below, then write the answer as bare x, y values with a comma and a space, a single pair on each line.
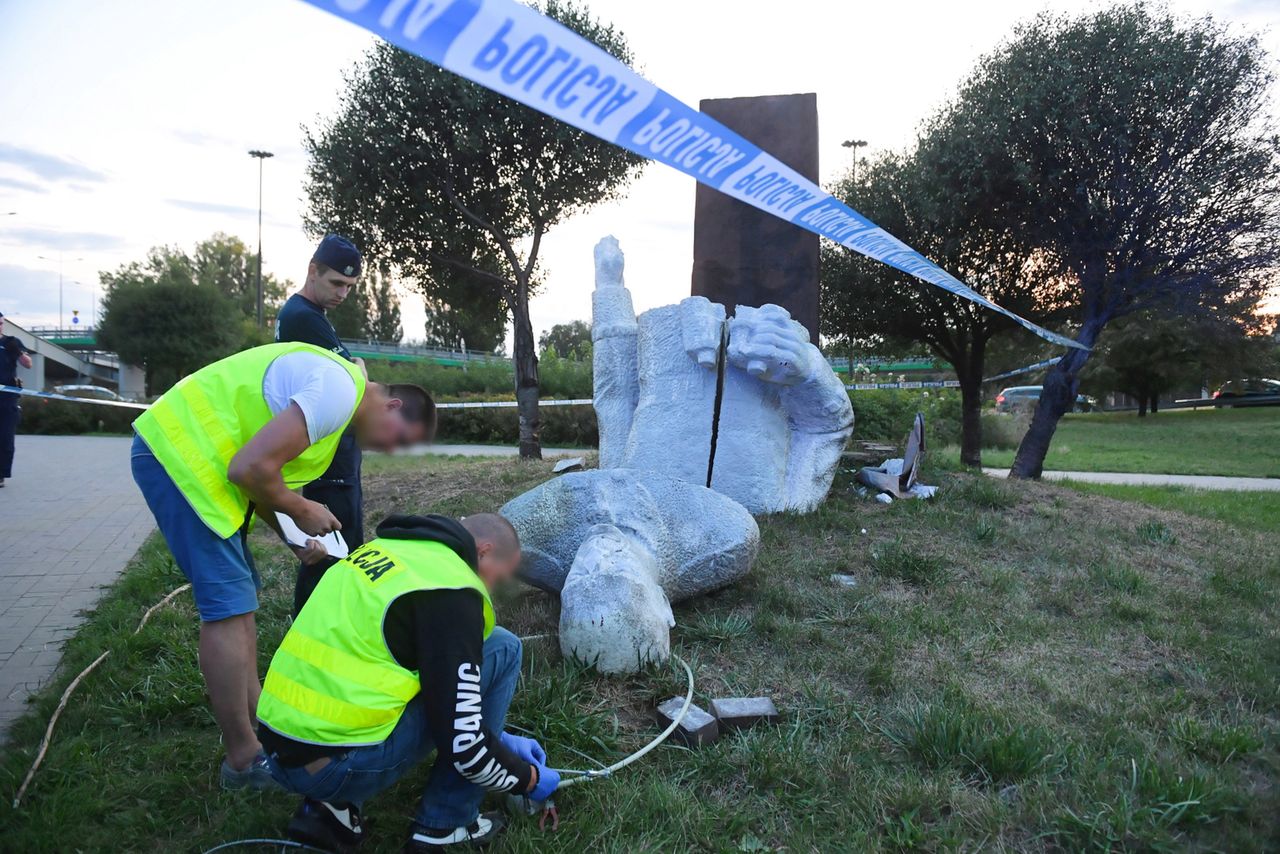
440, 634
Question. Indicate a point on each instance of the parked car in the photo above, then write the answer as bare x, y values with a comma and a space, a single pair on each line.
1256, 391
1027, 396
91, 392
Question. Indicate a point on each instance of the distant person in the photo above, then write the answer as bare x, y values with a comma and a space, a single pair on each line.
12, 354
332, 274
232, 440
415, 664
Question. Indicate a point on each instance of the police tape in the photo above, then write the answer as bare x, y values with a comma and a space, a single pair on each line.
518, 52
49, 395
919, 384
1047, 363
484, 404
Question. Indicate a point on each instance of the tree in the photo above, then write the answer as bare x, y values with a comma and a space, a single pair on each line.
464, 311
872, 307
570, 340
437, 174
225, 263
1146, 355
382, 306
1136, 151
166, 325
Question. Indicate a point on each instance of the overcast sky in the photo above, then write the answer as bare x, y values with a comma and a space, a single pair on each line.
127, 124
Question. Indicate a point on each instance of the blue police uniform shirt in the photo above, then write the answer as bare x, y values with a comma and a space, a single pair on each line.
302, 320
10, 349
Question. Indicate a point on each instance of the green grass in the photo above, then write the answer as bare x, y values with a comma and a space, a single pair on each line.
1258, 511
1022, 667
1239, 442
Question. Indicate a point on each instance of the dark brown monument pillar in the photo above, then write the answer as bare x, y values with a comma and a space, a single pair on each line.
744, 256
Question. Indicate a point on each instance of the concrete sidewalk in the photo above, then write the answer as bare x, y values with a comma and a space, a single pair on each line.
1193, 481
70, 519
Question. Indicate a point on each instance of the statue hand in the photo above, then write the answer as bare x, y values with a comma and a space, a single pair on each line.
609, 263
769, 345
701, 326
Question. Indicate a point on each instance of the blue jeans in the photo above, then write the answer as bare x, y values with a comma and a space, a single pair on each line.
449, 800
223, 576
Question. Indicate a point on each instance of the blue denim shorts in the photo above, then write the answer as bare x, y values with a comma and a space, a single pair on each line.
224, 579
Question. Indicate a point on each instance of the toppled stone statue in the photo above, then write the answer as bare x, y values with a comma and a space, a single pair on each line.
748, 407
703, 421
621, 546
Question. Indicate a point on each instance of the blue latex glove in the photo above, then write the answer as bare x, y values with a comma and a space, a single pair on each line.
526, 748
548, 782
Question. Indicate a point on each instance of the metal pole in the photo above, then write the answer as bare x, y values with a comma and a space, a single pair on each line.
260, 162
261, 156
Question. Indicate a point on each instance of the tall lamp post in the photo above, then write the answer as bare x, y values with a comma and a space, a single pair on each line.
855, 144
59, 259
261, 156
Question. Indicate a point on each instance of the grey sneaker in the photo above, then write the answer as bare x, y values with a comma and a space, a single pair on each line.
256, 777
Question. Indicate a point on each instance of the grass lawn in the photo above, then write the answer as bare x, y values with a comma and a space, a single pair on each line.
1242, 442
1022, 667
1259, 511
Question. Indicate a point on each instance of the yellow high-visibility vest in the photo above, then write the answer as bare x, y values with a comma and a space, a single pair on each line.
333, 681
197, 426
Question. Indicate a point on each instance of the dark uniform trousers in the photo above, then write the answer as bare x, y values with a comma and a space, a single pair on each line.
339, 490
9, 415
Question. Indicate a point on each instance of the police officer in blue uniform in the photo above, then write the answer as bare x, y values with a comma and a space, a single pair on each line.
331, 276
12, 354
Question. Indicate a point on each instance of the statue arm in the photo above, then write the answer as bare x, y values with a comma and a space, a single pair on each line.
614, 354
821, 420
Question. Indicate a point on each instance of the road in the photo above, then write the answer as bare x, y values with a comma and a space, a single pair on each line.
1193, 481
70, 519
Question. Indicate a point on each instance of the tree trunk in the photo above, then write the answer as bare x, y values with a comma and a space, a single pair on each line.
969, 373
1142, 406
1155, 404
525, 359
1057, 399
971, 422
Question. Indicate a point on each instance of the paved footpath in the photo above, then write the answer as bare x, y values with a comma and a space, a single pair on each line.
70, 519
1193, 481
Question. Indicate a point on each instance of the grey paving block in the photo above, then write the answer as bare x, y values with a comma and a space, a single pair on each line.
743, 712
696, 728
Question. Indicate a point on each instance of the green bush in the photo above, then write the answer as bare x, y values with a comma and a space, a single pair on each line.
1004, 432
885, 415
558, 378
571, 426
62, 418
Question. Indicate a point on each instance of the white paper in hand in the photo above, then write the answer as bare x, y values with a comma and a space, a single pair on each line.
295, 536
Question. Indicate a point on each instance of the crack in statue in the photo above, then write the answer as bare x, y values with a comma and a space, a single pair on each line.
621, 543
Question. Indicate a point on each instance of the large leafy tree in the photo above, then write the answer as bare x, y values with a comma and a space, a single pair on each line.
570, 340
439, 175
870, 307
225, 263
1136, 151
156, 317
465, 310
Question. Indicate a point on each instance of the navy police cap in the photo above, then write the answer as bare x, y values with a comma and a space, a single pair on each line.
338, 253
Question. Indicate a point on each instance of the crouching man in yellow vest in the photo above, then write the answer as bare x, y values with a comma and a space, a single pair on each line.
414, 663
236, 437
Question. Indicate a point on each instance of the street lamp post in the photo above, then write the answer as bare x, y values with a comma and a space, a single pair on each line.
855, 144
59, 260
261, 156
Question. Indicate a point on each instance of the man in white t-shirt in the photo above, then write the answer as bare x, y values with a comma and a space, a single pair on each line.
236, 438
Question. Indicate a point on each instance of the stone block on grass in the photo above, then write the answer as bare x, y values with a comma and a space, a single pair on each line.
696, 729
743, 712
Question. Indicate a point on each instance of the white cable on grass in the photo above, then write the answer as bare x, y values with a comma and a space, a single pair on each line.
66, 695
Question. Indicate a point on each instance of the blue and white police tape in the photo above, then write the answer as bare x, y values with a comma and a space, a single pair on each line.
515, 51
920, 384
1038, 366
49, 395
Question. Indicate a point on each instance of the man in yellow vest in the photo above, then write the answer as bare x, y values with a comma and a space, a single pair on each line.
235, 438
415, 664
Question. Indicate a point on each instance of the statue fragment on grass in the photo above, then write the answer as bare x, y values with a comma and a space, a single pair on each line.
703, 421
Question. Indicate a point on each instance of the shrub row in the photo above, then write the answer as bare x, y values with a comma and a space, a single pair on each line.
61, 418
